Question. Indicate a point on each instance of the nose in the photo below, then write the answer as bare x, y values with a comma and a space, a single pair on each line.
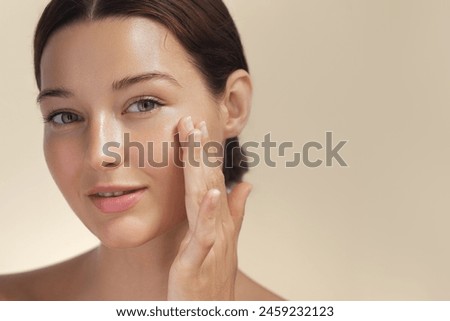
104, 142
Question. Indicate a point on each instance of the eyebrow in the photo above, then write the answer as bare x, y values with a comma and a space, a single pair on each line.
54, 92
62, 92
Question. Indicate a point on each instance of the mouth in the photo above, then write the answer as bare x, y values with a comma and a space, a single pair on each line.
113, 194
116, 199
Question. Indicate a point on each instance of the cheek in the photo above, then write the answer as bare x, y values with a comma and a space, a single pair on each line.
152, 146
163, 164
163, 208
158, 159
64, 162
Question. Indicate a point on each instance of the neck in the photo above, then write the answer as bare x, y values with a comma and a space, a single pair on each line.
139, 273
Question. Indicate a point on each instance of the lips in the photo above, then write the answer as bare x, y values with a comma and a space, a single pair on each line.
116, 199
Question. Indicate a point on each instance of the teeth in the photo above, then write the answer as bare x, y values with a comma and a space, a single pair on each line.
115, 194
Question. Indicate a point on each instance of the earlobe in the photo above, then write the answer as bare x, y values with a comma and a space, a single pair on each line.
236, 103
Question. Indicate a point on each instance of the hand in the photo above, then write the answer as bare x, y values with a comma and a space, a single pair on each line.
206, 264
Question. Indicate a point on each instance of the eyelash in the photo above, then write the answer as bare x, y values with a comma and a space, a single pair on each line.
52, 115
50, 118
157, 103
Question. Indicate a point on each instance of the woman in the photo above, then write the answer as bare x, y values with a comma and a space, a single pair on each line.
133, 94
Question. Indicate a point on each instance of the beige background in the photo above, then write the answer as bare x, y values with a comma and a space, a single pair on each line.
376, 73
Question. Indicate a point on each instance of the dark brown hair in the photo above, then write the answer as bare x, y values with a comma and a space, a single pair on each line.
204, 28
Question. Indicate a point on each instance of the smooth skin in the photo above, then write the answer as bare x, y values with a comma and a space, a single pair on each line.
180, 241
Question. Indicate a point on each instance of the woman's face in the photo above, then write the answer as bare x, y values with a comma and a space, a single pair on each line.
107, 79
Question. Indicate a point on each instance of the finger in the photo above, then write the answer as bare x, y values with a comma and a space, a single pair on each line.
204, 234
213, 148
195, 187
212, 165
237, 199
190, 140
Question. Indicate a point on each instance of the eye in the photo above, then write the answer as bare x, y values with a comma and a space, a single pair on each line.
63, 118
144, 105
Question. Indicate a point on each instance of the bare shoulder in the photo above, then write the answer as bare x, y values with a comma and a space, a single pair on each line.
48, 283
3, 293
249, 290
13, 288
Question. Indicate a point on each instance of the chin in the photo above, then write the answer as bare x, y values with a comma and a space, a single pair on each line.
132, 232
127, 232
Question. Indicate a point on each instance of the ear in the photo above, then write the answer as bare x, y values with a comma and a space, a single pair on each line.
236, 102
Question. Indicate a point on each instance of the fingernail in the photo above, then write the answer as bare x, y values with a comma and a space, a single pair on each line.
204, 129
215, 194
189, 124
197, 135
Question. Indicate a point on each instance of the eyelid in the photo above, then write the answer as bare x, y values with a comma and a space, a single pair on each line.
158, 102
51, 115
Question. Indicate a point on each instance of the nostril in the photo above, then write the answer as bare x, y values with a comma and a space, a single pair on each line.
108, 164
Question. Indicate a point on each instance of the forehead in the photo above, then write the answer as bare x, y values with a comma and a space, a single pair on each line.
95, 53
